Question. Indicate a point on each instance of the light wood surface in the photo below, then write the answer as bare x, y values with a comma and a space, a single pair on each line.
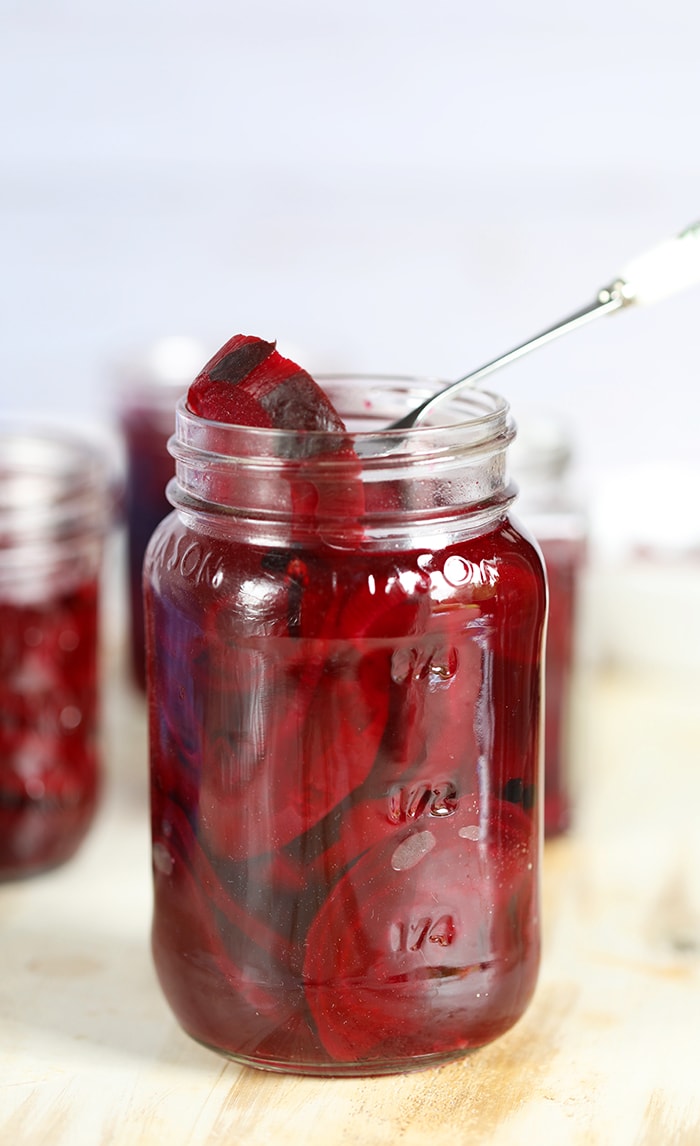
608, 1054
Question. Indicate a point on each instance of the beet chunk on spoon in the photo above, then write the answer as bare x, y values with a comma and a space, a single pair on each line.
249, 383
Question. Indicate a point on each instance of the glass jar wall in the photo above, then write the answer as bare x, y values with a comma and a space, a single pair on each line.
344, 636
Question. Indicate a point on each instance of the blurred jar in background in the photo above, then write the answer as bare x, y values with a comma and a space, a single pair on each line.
148, 388
56, 508
542, 458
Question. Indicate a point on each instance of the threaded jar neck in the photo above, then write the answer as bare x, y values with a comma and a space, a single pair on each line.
362, 487
57, 502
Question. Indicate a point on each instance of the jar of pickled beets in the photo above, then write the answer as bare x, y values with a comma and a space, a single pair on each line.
56, 506
344, 635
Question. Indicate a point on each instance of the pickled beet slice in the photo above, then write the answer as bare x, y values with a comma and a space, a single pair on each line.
322, 704
326, 727
48, 744
174, 835
419, 767
249, 383
419, 948
216, 965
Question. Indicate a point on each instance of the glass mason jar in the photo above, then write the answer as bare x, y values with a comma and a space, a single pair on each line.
148, 388
344, 637
542, 461
55, 508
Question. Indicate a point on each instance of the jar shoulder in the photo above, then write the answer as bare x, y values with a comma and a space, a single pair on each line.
191, 565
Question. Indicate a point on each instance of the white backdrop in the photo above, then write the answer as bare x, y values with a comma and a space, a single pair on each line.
382, 185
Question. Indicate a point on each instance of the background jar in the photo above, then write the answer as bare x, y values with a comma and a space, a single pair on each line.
147, 389
56, 506
542, 461
344, 638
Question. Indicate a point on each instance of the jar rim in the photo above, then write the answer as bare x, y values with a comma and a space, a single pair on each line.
372, 483
54, 481
478, 419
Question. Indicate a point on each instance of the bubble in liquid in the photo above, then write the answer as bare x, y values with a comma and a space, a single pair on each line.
162, 859
411, 850
70, 717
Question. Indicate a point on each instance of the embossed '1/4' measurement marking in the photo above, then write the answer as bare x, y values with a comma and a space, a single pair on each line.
417, 934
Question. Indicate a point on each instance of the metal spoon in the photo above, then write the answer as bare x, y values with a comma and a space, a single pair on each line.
665, 269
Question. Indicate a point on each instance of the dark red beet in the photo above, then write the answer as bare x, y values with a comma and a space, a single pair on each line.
48, 738
321, 702
199, 946
249, 383
391, 952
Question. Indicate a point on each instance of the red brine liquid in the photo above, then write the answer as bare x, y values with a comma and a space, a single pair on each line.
345, 806
345, 760
48, 750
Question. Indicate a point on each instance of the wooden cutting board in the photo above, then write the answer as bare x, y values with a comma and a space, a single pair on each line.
608, 1054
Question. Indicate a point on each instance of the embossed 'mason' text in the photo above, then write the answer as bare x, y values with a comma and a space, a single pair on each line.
192, 560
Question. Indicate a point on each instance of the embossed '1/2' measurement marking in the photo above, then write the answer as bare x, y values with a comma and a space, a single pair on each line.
408, 802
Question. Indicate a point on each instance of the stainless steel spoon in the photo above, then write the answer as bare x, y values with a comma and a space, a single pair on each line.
665, 269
